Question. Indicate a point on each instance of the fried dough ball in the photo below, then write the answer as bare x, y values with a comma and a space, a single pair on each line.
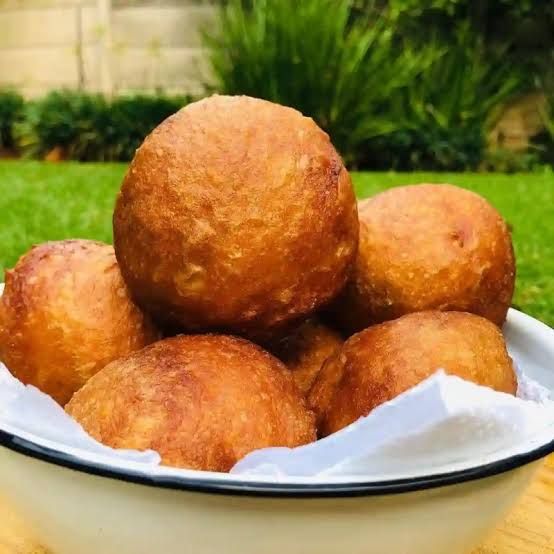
305, 350
383, 361
428, 247
201, 401
236, 214
65, 313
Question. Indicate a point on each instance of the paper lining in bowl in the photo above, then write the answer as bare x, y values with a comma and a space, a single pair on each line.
530, 342
147, 466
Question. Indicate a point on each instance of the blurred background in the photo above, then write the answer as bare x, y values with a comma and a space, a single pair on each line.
399, 84
409, 91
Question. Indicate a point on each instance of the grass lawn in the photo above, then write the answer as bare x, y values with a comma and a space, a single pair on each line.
41, 202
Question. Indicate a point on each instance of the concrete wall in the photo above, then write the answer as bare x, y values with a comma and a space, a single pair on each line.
130, 45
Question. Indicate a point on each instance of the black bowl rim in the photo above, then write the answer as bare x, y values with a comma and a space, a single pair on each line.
237, 487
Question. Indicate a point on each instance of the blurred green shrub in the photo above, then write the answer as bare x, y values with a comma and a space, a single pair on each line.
444, 116
523, 25
88, 127
71, 121
132, 118
386, 101
11, 109
323, 57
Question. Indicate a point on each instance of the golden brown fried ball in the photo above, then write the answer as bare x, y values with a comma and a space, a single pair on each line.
428, 247
385, 360
236, 214
65, 313
304, 351
202, 401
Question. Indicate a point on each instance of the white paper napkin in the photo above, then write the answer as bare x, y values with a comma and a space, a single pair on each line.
440, 422
27, 409
443, 420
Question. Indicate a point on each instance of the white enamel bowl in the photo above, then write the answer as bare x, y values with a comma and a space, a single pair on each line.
79, 506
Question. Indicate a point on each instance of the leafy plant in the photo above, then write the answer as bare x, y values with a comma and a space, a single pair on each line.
523, 28
323, 57
63, 119
11, 108
87, 127
131, 118
447, 111
385, 100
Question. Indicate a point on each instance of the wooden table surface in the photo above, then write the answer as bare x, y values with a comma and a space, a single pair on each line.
529, 529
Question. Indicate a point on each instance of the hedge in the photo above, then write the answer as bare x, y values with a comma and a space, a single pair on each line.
83, 126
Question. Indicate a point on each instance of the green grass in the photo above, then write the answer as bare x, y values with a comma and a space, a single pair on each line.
41, 202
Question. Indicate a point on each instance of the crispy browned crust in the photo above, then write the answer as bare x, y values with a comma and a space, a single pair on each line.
428, 247
236, 214
378, 364
304, 351
203, 402
65, 313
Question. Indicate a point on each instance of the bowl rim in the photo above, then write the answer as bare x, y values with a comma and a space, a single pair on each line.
238, 487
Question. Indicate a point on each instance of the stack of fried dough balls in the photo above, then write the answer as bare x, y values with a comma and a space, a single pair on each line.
237, 224
236, 216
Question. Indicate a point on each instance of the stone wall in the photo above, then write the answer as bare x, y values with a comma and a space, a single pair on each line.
110, 46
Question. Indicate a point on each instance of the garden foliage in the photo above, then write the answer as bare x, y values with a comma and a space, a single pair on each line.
397, 84
11, 108
386, 99
88, 127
